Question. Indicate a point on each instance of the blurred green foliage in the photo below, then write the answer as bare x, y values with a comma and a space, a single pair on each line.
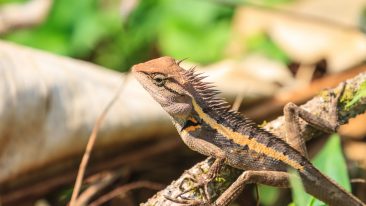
197, 29
94, 30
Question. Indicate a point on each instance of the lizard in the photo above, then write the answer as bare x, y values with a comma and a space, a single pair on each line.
207, 125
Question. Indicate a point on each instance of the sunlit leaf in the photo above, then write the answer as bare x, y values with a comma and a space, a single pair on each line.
330, 161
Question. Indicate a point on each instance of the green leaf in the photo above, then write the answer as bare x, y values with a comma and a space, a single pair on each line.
268, 195
331, 162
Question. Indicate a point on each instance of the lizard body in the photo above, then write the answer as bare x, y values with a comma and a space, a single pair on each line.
208, 126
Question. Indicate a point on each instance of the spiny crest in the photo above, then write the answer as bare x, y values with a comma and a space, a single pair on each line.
180, 61
206, 89
208, 92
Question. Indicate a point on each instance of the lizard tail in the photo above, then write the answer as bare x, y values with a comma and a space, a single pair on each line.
326, 190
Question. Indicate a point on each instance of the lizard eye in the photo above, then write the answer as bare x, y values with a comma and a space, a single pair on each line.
159, 80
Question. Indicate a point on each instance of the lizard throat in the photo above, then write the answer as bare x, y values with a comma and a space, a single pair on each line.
243, 140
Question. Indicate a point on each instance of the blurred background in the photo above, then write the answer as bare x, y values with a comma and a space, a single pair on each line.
62, 61
118, 34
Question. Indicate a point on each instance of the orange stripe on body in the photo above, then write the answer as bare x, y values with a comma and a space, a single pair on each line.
192, 119
242, 139
192, 128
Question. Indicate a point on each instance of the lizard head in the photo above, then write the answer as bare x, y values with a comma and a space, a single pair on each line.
164, 79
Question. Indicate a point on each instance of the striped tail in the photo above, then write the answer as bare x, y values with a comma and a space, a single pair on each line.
326, 190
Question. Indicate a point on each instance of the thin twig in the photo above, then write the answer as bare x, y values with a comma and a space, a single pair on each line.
90, 144
91, 191
126, 188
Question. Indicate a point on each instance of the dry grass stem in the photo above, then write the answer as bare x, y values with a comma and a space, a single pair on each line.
90, 145
126, 188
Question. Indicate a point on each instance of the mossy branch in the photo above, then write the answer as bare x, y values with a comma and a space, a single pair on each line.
353, 102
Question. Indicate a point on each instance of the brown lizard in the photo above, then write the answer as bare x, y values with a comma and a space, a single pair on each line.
207, 125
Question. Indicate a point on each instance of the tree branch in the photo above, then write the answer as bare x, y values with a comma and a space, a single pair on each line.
318, 105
